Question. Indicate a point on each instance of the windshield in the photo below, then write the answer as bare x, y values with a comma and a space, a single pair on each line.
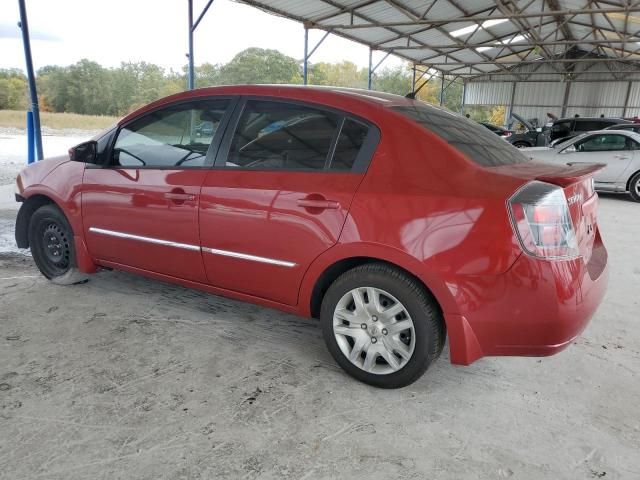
566, 143
468, 137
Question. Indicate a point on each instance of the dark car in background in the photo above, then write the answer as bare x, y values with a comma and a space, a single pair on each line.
500, 131
566, 128
531, 137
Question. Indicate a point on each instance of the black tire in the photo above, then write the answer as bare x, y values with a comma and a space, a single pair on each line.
52, 247
634, 187
521, 144
429, 326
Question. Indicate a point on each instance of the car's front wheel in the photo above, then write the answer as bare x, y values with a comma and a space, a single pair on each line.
381, 325
52, 248
521, 144
634, 187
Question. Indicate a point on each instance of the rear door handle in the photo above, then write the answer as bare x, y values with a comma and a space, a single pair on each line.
621, 157
313, 203
180, 197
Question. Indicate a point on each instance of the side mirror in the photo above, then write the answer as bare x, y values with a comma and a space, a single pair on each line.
86, 152
569, 149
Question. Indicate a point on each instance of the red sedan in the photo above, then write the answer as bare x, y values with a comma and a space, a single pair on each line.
393, 222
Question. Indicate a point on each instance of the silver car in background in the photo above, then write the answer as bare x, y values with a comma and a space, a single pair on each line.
619, 150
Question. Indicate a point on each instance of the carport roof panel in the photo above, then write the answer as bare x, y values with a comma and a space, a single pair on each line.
492, 35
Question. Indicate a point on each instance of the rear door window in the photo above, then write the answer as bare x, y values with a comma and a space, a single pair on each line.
278, 135
275, 135
470, 138
350, 141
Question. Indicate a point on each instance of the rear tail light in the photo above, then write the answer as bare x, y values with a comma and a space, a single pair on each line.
542, 222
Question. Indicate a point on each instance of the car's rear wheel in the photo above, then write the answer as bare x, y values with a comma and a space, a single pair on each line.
634, 187
52, 248
381, 325
521, 144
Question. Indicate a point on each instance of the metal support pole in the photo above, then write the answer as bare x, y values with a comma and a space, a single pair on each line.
192, 83
565, 101
413, 78
464, 94
33, 93
31, 155
370, 68
626, 100
306, 56
442, 90
507, 114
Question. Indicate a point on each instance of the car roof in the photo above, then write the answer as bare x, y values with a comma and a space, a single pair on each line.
591, 119
311, 94
609, 130
624, 126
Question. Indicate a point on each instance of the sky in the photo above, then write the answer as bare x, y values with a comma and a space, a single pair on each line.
155, 31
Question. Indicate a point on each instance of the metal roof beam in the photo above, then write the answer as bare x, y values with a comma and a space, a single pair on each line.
518, 44
481, 18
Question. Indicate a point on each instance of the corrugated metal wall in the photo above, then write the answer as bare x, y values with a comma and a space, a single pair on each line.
535, 98
486, 93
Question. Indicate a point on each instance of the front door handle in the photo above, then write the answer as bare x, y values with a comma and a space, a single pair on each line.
621, 157
317, 203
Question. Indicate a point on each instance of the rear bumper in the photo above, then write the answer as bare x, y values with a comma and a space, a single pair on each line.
537, 308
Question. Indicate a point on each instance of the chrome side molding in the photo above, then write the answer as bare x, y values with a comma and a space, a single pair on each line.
244, 256
186, 246
157, 241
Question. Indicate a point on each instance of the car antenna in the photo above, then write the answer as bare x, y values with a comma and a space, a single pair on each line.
412, 95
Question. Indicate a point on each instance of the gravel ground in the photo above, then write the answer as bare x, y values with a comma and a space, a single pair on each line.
128, 378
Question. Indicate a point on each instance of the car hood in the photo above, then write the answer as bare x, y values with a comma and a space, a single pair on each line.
38, 171
527, 125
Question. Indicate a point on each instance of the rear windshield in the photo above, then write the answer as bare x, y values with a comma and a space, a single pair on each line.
468, 137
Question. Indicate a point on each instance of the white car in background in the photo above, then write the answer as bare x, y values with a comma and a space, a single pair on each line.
619, 150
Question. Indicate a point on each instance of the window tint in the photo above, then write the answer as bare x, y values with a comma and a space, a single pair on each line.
588, 125
178, 136
276, 135
470, 138
604, 143
561, 127
349, 143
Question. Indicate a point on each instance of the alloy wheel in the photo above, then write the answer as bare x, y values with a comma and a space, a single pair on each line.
374, 330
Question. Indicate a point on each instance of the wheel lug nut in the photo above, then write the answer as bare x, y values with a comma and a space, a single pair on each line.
384, 331
374, 340
364, 326
374, 318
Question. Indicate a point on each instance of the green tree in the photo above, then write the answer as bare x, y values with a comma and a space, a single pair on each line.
89, 88
393, 80
53, 87
259, 65
343, 74
207, 75
13, 89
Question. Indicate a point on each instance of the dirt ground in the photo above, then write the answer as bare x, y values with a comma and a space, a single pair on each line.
128, 378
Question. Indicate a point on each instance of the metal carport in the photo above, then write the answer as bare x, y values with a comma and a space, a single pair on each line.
533, 55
